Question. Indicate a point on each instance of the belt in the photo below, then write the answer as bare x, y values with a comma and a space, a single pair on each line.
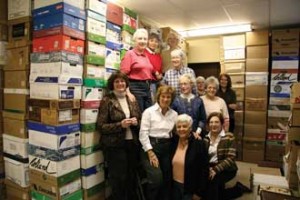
140, 81
159, 140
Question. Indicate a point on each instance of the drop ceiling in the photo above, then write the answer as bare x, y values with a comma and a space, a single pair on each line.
193, 14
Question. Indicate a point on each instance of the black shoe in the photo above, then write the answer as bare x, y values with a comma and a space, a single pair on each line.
243, 188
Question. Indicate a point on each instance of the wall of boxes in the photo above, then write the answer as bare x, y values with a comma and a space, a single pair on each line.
59, 57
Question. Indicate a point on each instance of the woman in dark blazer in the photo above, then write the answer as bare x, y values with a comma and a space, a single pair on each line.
118, 122
189, 162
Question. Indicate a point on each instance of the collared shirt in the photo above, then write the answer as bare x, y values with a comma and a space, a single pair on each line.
213, 147
155, 124
137, 66
155, 60
172, 76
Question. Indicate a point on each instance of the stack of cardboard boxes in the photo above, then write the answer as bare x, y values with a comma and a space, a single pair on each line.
256, 93
234, 65
16, 90
284, 72
55, 92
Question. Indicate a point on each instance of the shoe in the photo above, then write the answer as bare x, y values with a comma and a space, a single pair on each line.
243, 188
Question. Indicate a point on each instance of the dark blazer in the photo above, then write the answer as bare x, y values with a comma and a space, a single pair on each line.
109, 121
195, 167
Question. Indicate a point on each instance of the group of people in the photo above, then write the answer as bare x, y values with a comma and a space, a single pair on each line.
168, 128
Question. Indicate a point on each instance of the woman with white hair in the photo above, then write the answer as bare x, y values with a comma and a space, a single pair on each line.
171, 77
189, 162
213, 103
188, 103
139, 70
200, 86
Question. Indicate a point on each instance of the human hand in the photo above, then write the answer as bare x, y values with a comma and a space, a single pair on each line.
158, 76
232, 106
197, 136
153, 159
134, 121
125, 123
212, 173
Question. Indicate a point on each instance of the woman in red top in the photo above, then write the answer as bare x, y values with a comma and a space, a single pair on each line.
139, 70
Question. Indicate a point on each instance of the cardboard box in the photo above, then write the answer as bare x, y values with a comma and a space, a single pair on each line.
89, 139
18, 9
234, 54
285, 38
14, 191
14, 146
88, 116
59, 30
279, 123
17, 172
3, 52
54, 91
240, 93
113, 35
90, 94
256, 91
19, 32
53, 168
239, 131
94, 48
257, 38
95, 193
239, 117
233, 41
90, 104
285, 52
257, 78
95, 27
255, 131
53, 117
258, 51
114, 14
14, 115
274, 151
295, 117
58, 42
112, 59
75, 195
257, 64
253, 149
239, 149
59, 19
97, 6
93, 179
295, 93
52, 141
288, 75
57, 130
255, 117
58, 8
3, 11
234, 67
55, 104
42, 3
88, 161
293, 134
94, 71
3, 29
280, 89
15, 99
56, 56
18, 58
16, 79
256, 104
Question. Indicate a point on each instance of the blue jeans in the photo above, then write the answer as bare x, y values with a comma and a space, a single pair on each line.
142, 93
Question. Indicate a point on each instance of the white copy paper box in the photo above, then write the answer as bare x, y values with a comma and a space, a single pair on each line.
92, 180
42, 3
17, 172
91, 160
15, 146
88, 116
96, 6
18, 9
89, 139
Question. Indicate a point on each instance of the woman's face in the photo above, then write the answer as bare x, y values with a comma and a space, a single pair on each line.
223, 82
153, 43
215, 125
176, 62
200, 85
211, 90
165, 100
173, 41
183, 129
185, 86
141, 41
119, 85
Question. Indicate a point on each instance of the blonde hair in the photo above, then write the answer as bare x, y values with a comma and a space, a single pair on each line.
200, 78
165, 89
189, 77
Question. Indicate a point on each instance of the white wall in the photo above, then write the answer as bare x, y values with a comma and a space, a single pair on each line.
203, 50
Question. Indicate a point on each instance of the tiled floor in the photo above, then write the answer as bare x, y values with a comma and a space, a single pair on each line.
244, 172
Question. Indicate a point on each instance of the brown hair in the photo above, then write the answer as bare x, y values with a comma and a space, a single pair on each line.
165, 89
113, 77
216, 114
229, 83
154, 35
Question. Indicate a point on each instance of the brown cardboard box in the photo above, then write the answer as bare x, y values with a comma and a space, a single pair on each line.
255, 131
240, 93
95, 193
258, 52
285, 38
275, 151
234, 67
295, 117
239, 149
295, 93
14, 115
19, 32
114, 14
256, 104
3, 32
285, 51
257, 64
15, 127
15, 102
239, 131
16, 79
237, 80
18, 58
292, 168
257, 38
55, 104
255, 117
293, 134
239, 117
15, 192
3, 11
277, 122
1, 78
253, 149
256, 91
53, 117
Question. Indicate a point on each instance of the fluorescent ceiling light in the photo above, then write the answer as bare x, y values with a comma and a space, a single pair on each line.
218, 30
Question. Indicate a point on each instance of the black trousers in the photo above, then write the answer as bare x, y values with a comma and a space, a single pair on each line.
159, 179
216, 187
122, 170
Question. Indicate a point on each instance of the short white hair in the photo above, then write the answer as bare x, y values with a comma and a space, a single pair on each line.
178, 53
139, 32
189, 77
211, 80
200, 78
185, 118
